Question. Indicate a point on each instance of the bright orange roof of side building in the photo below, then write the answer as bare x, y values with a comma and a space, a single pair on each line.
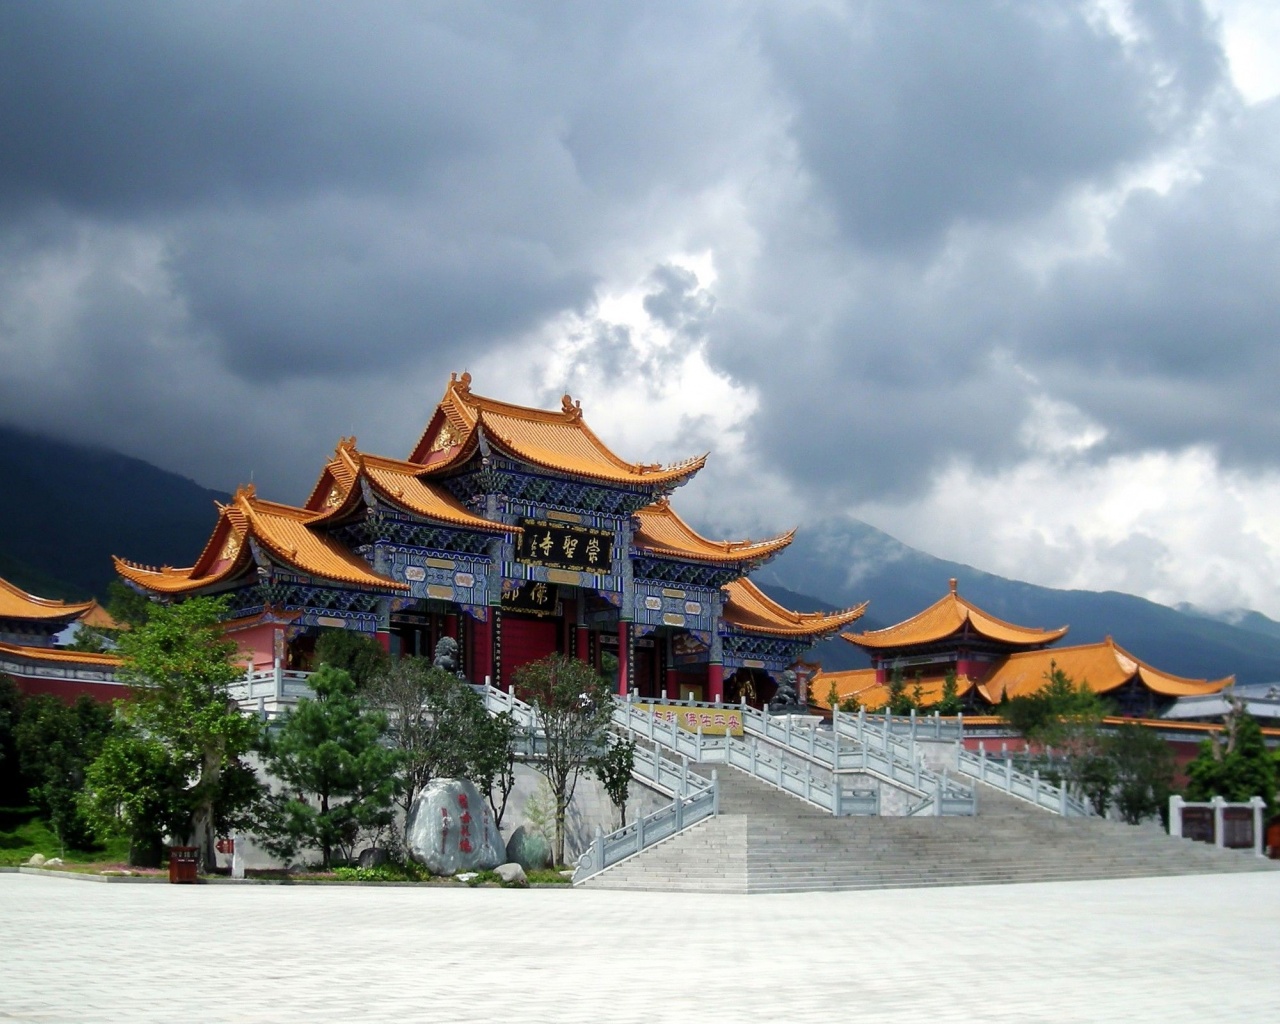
947, 617
60, 655
861, 685
555, 440
749, 609
18, 604
281, 529
663, 532
1103, 667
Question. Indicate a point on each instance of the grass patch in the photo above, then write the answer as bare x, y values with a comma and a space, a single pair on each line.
24, 833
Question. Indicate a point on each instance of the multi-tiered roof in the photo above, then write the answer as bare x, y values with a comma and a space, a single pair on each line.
465, 430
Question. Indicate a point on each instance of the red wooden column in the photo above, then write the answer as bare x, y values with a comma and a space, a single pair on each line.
715, 682
624, 656
383, 636
581, 649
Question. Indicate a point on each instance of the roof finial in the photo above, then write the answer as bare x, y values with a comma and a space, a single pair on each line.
953, 582
464, 382
571, 408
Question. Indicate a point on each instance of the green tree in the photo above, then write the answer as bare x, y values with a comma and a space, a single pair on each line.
337, 776
13, 785
1235, 765
1143, 767
180, 669
574, 707
360, 656
127, 606
613, 766
950, 704
440, 726
898, 702
136, 787
56, 742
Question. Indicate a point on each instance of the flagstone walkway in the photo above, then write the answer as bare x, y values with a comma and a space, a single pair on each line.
1201, 948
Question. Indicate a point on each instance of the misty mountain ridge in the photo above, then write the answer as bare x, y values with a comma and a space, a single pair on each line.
67, 508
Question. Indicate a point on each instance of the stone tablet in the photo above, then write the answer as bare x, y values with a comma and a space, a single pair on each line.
451, 829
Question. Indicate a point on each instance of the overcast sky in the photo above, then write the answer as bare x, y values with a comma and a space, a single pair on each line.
1000, 278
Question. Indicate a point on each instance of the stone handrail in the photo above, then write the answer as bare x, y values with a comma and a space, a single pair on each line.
940, 794
1003, 776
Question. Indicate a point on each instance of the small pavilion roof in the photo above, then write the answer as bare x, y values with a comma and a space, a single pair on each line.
861, 685
948, 616
557, 440
338, 490
750, 610
18, 604
663, 532
1104, 666
281, 529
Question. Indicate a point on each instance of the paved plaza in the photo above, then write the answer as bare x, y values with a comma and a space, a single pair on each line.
1202, 948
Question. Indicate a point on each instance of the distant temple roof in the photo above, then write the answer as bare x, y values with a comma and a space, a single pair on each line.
18, 604
663, 532
947, 617
749, 609
1104, 666
560, 441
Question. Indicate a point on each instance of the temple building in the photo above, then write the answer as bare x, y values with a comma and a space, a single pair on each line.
992, 659
516, 532
29, 630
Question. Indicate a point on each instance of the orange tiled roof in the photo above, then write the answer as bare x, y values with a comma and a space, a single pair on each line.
338, 490
747, 608
99, 617
860, 683
559, 441
60, 655
1103, 666
662, 532
945, 618
18, 604
281, 529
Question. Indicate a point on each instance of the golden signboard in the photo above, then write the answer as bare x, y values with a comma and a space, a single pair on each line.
713, 721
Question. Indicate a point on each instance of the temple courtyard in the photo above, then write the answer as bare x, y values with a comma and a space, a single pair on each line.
1199, 948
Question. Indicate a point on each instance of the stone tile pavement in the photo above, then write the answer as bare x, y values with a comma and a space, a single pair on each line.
1202, 948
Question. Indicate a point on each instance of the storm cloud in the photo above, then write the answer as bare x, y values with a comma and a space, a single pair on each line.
860, 250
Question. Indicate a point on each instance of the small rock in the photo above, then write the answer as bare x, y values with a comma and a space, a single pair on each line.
466, 876
373, 857
53, 862
513, 875
567, 872
36, 860
529, 849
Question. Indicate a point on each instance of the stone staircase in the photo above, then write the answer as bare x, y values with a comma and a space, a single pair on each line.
766, 841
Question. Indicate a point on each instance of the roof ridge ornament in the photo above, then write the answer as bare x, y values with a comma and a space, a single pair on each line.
953, 582
571, 408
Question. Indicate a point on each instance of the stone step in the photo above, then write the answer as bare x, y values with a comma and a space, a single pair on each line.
766, 841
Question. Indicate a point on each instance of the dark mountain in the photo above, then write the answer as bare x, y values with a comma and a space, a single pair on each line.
850, 562
66, 509
1241, 618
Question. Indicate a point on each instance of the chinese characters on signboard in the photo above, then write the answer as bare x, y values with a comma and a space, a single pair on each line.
564, 546
712, 721
529, 596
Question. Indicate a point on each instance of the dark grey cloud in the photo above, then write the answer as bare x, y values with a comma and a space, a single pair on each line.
913, 116
230, 228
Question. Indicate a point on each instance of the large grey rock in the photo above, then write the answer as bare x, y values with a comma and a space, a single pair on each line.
36, 860
512, 875
529, 849
451, 829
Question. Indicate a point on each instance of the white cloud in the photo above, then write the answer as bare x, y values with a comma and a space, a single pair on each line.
1251, 34
1171, 526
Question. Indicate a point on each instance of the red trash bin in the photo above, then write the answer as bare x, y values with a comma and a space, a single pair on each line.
184, 862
